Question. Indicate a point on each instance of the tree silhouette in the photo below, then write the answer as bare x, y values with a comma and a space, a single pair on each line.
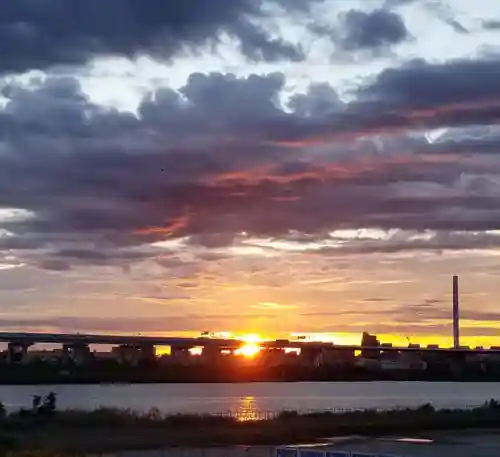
50, 403
36, 403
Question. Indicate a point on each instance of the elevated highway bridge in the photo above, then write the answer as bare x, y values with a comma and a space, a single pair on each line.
22, 339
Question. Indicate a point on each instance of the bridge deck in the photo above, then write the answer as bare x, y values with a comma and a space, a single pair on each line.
65, 338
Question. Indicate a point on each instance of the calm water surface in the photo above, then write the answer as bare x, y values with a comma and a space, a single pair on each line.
256, 397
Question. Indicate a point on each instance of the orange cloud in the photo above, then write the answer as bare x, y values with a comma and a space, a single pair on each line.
318, 173
285, 198
452, 108
175, 226
404, 120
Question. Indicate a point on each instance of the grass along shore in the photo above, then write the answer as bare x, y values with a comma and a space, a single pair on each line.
102, 430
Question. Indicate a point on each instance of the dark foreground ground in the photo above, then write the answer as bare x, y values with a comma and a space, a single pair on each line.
452, 432
443, 444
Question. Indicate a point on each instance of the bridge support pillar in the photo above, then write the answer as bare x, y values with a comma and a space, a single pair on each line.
77, 353
134, 354
126, 354
180, 354
309, 355
211, 354
16, 351
147, 353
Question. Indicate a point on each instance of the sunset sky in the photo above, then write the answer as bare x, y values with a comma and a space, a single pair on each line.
254, 166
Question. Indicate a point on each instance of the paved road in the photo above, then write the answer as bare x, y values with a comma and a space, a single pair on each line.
460, 444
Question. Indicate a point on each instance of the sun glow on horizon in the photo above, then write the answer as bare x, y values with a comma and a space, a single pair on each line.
248, 350
251, 347
251, 338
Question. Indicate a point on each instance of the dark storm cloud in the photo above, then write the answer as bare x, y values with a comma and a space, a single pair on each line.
257, 45
320, 100
222, 156
367, 30
416, 95
449, 95
38, 35
491, 24
421, 84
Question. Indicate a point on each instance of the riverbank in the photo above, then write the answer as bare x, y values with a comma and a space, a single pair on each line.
27, 377
113, 373
106, 430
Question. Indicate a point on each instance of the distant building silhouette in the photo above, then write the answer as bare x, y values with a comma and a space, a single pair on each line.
371, 341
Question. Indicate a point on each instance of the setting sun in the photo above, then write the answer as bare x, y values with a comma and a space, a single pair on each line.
249, 350
250, 347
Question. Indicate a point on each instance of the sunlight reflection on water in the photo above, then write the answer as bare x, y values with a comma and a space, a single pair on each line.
248, 410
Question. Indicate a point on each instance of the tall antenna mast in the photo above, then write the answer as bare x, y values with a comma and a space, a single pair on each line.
456, 314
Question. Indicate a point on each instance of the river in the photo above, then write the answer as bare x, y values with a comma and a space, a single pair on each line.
261, 398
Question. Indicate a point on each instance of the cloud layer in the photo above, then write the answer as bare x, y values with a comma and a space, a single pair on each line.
223, 155
374, 29
55, 32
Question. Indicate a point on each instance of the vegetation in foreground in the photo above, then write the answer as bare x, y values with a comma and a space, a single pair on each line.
78, 432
